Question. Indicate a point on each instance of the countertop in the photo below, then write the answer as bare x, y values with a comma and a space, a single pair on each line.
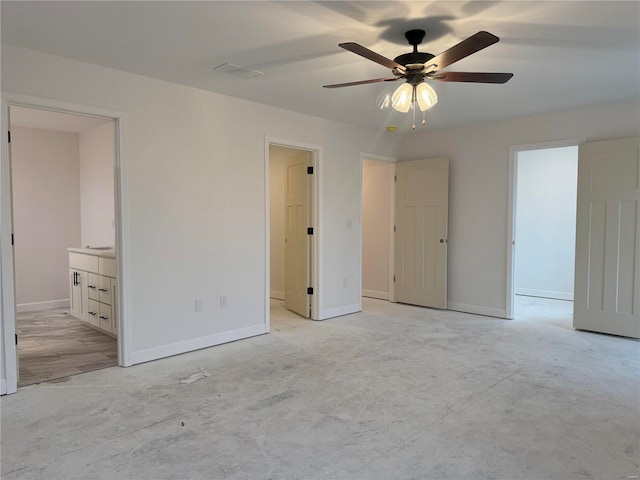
106, 252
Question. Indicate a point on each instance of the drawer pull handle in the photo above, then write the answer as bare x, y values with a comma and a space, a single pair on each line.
103, 317
92, 313
92, 286
103, 289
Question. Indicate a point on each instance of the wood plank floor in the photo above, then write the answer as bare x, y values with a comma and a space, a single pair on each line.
52, 344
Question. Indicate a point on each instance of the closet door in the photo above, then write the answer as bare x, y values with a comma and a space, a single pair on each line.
607, 282
422, 206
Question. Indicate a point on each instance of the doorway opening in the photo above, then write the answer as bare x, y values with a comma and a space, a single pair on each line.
377, 227
544, 187
292, 230
110, 293
63, 197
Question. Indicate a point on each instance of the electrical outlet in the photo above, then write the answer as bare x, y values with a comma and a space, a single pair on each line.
223, 301
344, 283
198, 305
349, 224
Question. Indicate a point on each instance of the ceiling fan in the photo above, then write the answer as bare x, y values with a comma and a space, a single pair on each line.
416, 67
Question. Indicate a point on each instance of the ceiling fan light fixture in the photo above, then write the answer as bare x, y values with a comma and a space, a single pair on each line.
402, 98
416, 67
425, 96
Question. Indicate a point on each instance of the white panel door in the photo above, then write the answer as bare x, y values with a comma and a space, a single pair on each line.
422, 206
607, 283
296, 249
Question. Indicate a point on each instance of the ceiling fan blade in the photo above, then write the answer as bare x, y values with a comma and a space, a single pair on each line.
362, 82
473, 44
370, 55
472, 77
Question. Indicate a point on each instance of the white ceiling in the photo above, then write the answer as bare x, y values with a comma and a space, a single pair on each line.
564, 54
56, 121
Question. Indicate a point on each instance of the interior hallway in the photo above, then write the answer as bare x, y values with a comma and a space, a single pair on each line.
394, 392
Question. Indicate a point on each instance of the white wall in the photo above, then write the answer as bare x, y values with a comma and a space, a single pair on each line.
195, 172
97, 158
377, 202
46, 206
546, 189
478, 193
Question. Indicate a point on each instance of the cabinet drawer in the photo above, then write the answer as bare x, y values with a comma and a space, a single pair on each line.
107, 266
105, 317
104, 289
94, 313
93, 284
88, 263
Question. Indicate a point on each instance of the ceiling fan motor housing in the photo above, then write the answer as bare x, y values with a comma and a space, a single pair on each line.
413, 57
414, 37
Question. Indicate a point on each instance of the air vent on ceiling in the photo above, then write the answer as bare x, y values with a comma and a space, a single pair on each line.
237, 70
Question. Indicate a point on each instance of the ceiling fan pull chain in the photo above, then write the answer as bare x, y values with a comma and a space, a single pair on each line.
424, 114
413, 107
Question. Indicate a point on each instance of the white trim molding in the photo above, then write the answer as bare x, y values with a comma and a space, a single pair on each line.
530, 292
340, 311
375, 294
9, 367
199, 343
374, 156
38, 306
477, 309
123, 259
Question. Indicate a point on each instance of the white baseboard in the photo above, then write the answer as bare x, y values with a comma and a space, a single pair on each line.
277, 295
338, 312
478, 310
530, 292
3, 386
37, 306
375, 294
196, 344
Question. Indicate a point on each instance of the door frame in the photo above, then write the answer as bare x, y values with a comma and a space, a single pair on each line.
393, 160
7, 271
511, 210
315, 222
